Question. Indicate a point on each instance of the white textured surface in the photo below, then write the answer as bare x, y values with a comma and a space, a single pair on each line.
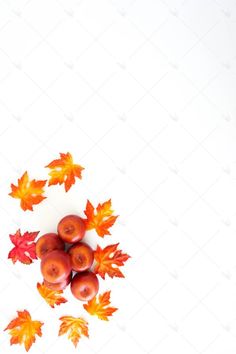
142, 93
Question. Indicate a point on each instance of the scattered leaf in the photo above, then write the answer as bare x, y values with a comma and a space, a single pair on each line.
100, 307
24, 250
52, 297
23, 329
76, 327
64, 170
106, 258
103, 219
29, 192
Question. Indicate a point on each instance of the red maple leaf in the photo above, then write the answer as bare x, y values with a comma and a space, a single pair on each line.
24, 250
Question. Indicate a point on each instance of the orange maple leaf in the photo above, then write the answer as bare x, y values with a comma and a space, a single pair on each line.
29, 192
64, 170
103, 219
100, 307
52, 297
106, 258
76, 327
23, 329
24, 250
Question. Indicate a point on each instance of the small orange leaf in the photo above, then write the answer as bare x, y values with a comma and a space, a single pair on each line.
100, 307
52, 297
103, 219
76, 327
106, 258
24, 250
23, 329
64, 170
29, 192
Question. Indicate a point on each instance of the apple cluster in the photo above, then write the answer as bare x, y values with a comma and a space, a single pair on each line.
66, 260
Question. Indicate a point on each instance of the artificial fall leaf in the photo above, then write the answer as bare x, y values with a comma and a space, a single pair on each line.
52, 297
29, 192
106, 258
75, 327
100, 306
24, 250
64, 170
102, 220
23, 329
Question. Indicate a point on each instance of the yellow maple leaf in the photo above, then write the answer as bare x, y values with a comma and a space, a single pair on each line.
102, 220
75, 327
23, 329
64, 170
107, 258
100, 306
52, 297
29, 192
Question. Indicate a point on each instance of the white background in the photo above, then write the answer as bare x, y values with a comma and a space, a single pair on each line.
142, 93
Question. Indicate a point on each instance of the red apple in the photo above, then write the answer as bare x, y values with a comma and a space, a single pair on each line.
58, 286
81, 256
84, 286
56, 266
47, 243
71, 228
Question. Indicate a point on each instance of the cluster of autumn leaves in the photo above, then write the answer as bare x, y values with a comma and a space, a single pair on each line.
23, 329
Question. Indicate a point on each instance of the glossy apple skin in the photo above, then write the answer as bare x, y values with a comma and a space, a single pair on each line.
81, 256
56, 266
47, 243
58, 286
84, 286
71, 228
